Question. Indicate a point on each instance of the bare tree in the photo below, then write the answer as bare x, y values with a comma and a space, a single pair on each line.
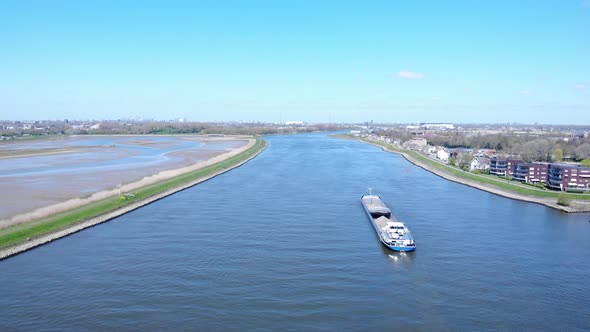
464, 159
583, 151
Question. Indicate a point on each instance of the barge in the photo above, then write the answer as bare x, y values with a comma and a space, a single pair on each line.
392, 233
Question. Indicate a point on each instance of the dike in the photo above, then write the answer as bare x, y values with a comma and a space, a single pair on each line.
79, 226
577, 205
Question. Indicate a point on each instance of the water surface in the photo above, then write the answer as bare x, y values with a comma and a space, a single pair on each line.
282, 243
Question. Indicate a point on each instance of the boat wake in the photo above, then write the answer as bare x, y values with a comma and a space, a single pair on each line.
398, 255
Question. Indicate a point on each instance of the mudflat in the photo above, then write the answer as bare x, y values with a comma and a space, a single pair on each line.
38, 174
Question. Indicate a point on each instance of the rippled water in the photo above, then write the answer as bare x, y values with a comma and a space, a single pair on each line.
283, 243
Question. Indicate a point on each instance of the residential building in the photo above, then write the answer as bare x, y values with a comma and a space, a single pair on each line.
437, 126
531, 172
569, 177
294, 123
503, 166
443, 155
479, 163
487, 152
498, 166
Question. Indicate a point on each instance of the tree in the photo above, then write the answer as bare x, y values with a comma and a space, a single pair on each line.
558, 153
452, 161
564, 200
536, 150
528, 150
516, 149
464, 160
544, 150
583, 151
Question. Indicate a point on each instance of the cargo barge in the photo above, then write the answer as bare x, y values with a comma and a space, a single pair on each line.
392, 233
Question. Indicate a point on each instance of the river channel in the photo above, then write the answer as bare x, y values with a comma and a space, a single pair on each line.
283, 243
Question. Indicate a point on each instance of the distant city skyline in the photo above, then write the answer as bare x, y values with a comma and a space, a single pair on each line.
390, 61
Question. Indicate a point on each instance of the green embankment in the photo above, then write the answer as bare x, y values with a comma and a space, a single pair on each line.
19, 233
483, 179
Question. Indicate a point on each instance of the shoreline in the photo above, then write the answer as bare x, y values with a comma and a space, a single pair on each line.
102, 218
546, 201
113, 181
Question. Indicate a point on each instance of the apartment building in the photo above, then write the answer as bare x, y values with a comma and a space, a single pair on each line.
531, 172
503, 166
568, 177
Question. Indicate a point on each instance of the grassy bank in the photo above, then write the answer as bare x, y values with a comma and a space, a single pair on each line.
17, 234
489, 180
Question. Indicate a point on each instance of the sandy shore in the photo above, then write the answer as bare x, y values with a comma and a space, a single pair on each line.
108, 216
93, 165
576, 206
64, 193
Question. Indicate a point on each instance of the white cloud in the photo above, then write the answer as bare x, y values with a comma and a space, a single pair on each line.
581, 86
524, 92
411, 75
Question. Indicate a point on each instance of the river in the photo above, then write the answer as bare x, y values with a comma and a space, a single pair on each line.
282, 243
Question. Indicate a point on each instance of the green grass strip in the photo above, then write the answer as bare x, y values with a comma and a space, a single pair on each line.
19, 233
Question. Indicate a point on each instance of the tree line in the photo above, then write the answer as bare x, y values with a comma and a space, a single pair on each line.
162, 128
548, 148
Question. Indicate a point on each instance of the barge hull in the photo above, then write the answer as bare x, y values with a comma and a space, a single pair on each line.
378, 230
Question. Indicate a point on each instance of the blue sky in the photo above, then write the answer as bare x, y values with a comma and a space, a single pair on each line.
317, 61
